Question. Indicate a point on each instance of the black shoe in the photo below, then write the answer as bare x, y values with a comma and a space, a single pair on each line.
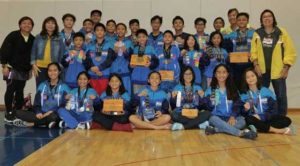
9, 117
209, 130
51, 124
249, 134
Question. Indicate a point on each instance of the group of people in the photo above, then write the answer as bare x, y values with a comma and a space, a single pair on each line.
160, 80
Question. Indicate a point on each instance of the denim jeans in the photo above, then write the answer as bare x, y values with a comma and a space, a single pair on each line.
279, 86
221, 125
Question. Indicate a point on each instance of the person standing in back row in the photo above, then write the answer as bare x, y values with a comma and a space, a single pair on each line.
272, 54
15, 60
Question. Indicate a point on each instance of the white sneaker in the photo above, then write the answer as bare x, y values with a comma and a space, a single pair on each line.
51, 125
20, 123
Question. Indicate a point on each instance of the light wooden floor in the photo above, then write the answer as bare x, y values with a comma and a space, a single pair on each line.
182, 148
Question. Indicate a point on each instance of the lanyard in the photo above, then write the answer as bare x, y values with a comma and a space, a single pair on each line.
99, 48
141, 51
52, 95
259, 101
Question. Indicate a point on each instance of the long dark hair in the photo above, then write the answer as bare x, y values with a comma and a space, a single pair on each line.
211, 37
57, 66
231, 90
122, 89
87, 75
196, 46
44, 30
268, 11
244, 85
184, 69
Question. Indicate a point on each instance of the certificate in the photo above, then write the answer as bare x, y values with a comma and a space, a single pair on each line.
167, 75
113, 106
139, 60
239, 57
190, 113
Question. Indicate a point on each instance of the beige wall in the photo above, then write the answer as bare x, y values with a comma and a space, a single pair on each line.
287, 14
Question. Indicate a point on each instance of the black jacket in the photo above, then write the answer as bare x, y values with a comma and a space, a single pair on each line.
16, 52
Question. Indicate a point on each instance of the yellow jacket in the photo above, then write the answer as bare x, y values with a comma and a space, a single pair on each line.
289, 53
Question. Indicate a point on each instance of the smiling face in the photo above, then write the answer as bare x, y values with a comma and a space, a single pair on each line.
218, 24
53, 72
134, 27
154, 80
221, 74
200, 26
168, 38
251, 78
216, 40
267, 19
121, 31
178, 25
142, 39
114, 83
188, 76
242, 22
50, 26
88, 26
26, 26
83, 81
232, 17
191, 42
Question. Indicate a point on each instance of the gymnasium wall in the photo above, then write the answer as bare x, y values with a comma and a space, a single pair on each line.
286, 12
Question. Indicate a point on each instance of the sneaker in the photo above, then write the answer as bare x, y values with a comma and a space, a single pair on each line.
177, 126
83, 126
51, 125
252, 128
62, 124
20, 123
203, 125
209, 130
9, 118
248, 134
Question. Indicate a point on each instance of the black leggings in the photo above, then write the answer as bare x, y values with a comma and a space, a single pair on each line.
14, 90
107, 121
276, 121
190, 123
30, 116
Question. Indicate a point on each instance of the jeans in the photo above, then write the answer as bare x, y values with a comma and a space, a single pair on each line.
279, 86
221, 125
72, 119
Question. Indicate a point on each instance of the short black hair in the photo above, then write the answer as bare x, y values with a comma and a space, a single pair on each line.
200, 19
68, 15
79, 34
142, 31
87, 20
157, 17
219, 18
99, 25
168, 31
96, 11
232, 10
111, 20
268, 11
121, 24
132, 21
243, 14
178, 18
26, 18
